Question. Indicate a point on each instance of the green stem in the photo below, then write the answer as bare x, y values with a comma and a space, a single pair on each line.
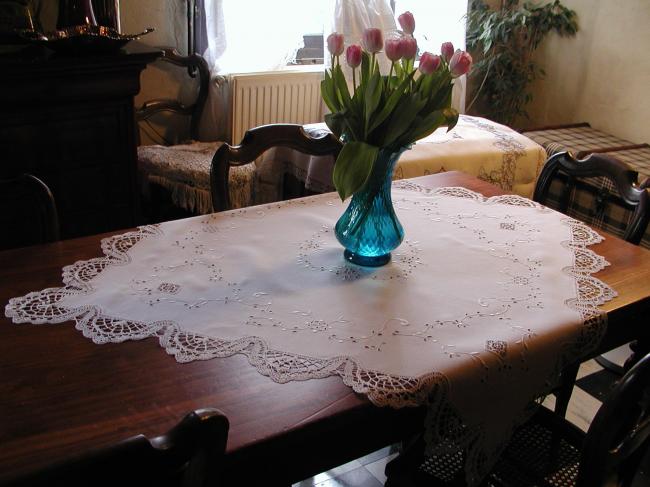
354, 79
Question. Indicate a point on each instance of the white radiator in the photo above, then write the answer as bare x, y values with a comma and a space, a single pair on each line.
274, 97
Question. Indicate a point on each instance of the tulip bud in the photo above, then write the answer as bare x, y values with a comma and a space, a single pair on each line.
372, 40
409, 47
447, 50
429, 63
407, 22
393, 49
335, 44
353, 55
460, 63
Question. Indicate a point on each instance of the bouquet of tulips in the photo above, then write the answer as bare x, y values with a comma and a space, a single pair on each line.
386, 111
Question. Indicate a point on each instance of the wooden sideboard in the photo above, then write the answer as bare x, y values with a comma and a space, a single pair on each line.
69, 121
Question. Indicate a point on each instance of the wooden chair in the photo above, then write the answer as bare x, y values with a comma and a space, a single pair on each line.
198, 68
176, 178
598, 165
189, 455
312, 141
636, 198
550, 451
28, 213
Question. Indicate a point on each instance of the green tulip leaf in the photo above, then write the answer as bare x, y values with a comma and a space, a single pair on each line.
365, 69
336, 123
342, 87
352, 167
372, 97
390, 104
451, 116
403, 116
326, 93
428, 125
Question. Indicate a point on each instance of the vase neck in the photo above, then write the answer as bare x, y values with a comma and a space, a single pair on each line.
384, 166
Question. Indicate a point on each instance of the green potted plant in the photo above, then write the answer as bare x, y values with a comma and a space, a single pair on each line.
505, 39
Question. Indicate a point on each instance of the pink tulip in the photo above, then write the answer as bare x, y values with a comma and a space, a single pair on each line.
407, 22
460, 63
372, 40
447, 50
409, 47
335, 44
429, 63
393, 49
353, 55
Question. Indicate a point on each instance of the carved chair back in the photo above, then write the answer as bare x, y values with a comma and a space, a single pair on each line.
621, 176
312, 141
28, 213
189, 455
618, 440
197, 67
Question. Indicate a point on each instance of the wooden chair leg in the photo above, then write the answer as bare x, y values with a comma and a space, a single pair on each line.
565, 389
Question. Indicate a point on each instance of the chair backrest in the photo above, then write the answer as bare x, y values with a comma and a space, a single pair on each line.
189, 455
196, 67
619, 436
621, 176
312, 141
28, 213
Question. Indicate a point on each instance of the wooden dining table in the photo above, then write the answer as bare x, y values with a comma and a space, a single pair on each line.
62, 395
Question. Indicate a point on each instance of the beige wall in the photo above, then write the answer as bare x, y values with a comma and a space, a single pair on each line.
601, 76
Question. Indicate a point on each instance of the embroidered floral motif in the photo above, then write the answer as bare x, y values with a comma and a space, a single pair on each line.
498, 347
168, 288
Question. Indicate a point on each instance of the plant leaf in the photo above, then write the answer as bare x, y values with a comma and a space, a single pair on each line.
336, 123
390, 104
326, 92
365, 69
342, 88
372, 97
352, 167
403, 116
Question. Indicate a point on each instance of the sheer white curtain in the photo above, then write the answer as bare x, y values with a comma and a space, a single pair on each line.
438, 21
259, 35
352, 17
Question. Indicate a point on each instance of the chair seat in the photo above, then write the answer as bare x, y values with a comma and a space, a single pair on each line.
537, 455
184, 170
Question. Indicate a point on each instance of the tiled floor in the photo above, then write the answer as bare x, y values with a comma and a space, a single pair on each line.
368, 471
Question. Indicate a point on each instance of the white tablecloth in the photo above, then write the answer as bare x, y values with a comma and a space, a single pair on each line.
480, 306
490, 151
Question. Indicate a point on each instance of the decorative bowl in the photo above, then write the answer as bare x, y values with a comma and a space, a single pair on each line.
85, 39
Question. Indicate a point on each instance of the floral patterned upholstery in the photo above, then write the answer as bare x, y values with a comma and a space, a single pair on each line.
184, 170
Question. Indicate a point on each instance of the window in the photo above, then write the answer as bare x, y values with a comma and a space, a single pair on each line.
254, 35
436, 22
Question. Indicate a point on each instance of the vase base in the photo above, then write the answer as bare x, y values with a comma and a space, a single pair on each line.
366, 261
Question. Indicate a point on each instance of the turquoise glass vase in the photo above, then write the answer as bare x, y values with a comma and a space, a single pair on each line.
369, 229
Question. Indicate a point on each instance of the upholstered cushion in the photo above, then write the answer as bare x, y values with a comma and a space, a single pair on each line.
185, 171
